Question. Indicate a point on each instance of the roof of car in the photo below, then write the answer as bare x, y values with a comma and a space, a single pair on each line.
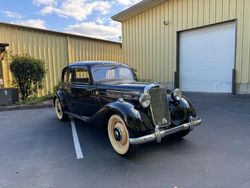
91, 64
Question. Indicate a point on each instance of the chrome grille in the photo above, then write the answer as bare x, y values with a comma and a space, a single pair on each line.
159, 106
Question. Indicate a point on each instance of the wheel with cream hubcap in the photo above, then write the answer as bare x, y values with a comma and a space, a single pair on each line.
119, 135
59, 112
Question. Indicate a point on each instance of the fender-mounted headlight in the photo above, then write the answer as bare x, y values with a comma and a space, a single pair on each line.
145, 100
176, 94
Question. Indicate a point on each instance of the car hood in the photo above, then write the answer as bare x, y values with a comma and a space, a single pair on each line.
130, 91
124, 86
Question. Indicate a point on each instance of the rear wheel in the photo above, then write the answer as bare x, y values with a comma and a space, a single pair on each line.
59, 112
119, 136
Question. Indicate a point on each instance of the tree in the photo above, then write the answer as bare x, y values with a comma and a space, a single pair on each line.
28, 73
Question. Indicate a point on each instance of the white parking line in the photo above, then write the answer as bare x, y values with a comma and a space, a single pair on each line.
78, 149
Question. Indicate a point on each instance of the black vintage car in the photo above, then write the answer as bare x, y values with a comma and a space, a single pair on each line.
106, 93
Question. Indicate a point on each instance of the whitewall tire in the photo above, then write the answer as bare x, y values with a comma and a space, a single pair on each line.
59, 111
119, 135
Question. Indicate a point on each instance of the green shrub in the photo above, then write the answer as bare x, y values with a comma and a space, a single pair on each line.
28, 73
57, 87
137, 78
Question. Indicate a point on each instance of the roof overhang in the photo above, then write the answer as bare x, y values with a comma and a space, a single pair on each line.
136, 9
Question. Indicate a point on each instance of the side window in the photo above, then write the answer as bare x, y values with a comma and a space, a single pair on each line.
81, 76
67, 76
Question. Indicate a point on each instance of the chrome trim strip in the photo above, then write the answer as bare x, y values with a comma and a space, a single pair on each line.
124, 92
151, 112
158, 134
129, 95
83, 118
148, 87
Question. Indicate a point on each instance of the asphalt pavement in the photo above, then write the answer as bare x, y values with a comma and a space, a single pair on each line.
37, 150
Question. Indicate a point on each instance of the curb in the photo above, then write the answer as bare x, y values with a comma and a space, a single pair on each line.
25, 107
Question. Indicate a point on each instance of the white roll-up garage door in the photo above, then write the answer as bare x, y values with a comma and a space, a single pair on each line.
207, 58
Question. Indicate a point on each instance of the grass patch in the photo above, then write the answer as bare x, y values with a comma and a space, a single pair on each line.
35, 100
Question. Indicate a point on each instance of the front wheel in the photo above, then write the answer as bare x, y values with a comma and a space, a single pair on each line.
119, 136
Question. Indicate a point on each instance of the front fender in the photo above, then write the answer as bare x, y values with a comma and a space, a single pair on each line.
180, 110
193, 111
136, 121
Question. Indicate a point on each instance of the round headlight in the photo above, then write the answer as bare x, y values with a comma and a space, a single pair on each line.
145, 100
176, 94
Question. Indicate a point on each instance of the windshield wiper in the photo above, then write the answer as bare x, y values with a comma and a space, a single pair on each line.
111, 68
115, 67
96, 70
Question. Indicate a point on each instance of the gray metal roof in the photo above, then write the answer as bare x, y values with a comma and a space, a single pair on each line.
136, 9
56, 32
93, 63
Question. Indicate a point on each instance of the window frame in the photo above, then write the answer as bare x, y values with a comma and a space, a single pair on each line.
67, 69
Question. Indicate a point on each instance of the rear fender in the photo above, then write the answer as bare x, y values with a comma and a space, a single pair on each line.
60, 95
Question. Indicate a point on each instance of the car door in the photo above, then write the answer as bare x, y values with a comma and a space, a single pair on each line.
66, 82
83, 99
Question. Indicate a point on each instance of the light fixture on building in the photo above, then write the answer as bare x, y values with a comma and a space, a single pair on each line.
3, 47
165, 22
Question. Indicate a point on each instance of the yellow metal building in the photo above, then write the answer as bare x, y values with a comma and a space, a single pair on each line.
197, 45
57, 49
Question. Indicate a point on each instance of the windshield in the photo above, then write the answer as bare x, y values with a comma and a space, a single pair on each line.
110, 73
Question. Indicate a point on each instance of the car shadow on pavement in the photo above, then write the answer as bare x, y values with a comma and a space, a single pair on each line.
94, 142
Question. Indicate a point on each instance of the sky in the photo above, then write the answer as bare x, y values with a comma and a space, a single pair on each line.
83, 17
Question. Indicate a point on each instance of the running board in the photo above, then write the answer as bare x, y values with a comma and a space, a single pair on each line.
83, 118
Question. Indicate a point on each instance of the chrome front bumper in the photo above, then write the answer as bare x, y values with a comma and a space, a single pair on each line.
159, 134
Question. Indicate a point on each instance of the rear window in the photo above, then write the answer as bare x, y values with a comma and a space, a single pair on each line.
80, 76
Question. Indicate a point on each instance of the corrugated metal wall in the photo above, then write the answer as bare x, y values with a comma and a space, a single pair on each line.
150, 46
56, 49
88, 50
